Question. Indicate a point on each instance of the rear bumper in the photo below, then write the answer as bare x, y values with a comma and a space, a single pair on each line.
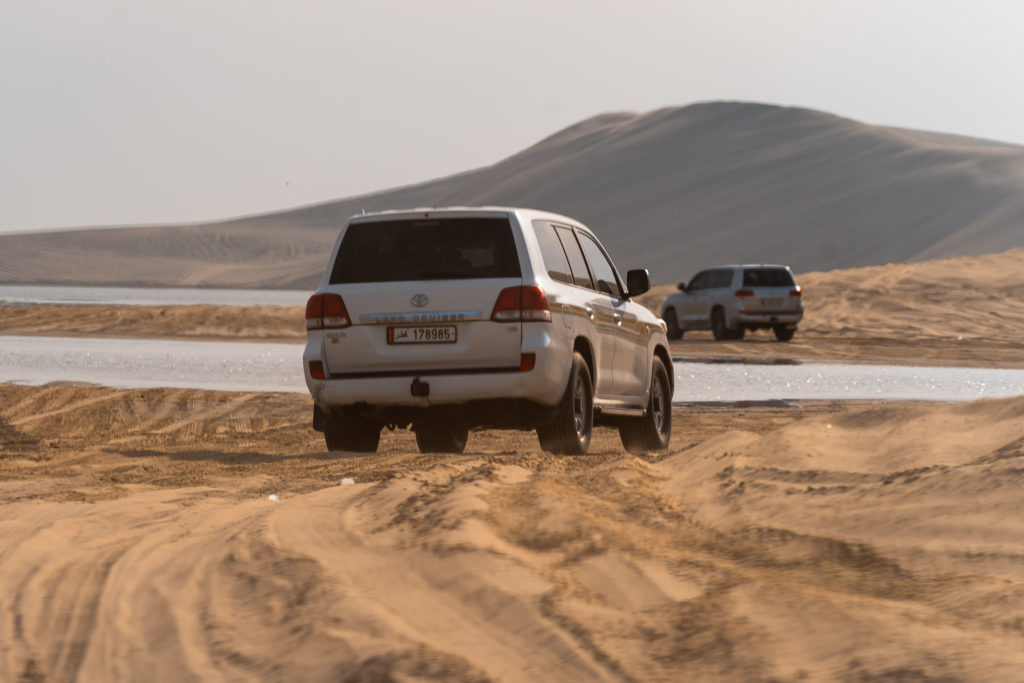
440, 389
543, 385
768, 318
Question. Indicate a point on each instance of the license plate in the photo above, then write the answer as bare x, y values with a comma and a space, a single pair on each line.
432, 334
773, 303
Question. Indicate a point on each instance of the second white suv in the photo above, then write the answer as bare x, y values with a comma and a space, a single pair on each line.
729, 300
443, 320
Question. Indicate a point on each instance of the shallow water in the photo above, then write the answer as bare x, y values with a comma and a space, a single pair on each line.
146, 296
235, 366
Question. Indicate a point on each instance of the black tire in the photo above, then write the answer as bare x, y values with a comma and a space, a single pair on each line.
672, 323
349, 433
783, 333
569, 433
718, 328
450, 439
653, 431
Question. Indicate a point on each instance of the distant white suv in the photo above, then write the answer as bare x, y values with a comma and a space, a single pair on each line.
729, 300
450, 319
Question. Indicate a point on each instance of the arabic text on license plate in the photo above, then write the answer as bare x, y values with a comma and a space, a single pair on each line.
432, 334
772, 303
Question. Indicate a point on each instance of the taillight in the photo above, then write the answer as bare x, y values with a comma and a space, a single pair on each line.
796, 292
526, 304
326, 311
744, 293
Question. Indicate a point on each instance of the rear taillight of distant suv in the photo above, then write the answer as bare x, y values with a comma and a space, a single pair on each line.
527, 303
796, 292
326, 312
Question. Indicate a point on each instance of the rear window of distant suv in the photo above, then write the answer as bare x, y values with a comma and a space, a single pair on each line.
427, 249
767, 277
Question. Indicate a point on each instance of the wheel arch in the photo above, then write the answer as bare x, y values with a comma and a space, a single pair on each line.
582, 344
662, 353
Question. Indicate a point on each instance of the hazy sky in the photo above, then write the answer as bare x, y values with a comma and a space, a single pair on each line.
143, 111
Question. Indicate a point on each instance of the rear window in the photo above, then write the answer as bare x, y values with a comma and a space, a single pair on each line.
767, 277
429, 249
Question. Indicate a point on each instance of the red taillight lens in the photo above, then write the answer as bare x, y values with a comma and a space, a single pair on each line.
527, 304
796, 292
744, 293
316, 369
335, 313
326, 311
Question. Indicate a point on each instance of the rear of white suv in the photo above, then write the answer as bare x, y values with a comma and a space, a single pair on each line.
729, 300
448, 319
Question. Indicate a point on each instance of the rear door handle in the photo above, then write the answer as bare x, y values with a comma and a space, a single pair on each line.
590, 312
617, 317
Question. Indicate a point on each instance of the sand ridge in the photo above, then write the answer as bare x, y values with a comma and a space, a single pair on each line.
826, 541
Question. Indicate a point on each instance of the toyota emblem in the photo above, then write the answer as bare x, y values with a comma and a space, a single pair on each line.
419, 300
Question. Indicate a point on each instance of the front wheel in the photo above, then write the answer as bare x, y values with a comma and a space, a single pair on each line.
350, 433
569, 433
653, 431
783, 333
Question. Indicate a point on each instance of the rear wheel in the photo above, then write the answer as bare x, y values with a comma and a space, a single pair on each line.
450, 439
672, 324
784, 333
350, 433
569, 433
718, 328
653, 431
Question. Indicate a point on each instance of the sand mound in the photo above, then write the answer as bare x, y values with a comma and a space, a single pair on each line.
767, 546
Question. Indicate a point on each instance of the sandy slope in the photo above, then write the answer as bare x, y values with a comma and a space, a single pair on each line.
821, 543
672, 190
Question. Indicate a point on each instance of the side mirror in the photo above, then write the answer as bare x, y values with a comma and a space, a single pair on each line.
638, 281
681, 286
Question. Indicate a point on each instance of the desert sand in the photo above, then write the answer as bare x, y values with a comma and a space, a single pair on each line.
825, 541
189, 535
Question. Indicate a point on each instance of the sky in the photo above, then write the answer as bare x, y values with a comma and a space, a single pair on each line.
127, 112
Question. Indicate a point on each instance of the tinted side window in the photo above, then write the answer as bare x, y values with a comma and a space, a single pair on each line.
699, 281
428, 249
603, 270
551, 250
767, 277
577, 263
721, 277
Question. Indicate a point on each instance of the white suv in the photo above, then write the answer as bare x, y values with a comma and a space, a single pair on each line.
450, 319
729, 300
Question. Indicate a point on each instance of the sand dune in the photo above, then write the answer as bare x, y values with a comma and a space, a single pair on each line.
673, 190
826, 542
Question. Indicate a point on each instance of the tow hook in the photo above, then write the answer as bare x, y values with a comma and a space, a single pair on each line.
420, 388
